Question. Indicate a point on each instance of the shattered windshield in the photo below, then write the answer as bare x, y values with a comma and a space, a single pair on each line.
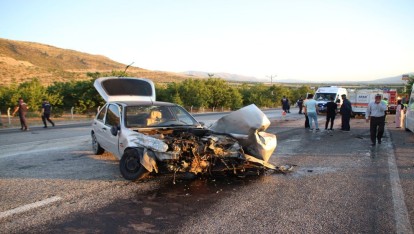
157, 116
324, 96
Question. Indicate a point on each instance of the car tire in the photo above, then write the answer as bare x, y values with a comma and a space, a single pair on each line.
96, 147
130, 165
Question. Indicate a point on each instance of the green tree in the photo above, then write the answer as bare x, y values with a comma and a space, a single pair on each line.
259, 94
409, 85
88, 99
278, 92
33, 93
166, 94
244, 90
218, 95
78, 94
65, 90
300, 92
177, 99
194, 93
8, 97
236, 99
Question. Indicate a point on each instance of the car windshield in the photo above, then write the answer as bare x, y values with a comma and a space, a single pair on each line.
324, 96
157, 116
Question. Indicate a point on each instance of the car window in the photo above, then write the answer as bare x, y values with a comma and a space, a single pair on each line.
136, 116
324, 96
157, 116
113, 116
101, 114
183, 116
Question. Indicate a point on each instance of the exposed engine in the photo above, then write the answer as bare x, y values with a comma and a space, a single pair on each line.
201, 152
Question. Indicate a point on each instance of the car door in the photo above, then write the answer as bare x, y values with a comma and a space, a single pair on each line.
99, 125
112, 119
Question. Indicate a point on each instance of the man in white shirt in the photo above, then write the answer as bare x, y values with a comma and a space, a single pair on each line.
311, 111
376, 115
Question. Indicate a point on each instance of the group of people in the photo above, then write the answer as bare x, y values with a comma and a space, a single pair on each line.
311, 113
22, 109
375, 115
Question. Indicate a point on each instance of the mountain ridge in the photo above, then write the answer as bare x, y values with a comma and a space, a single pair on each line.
236, 77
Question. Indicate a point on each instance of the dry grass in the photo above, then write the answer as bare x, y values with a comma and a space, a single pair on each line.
22, 61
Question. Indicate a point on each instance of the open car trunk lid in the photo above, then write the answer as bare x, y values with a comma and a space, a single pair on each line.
125, 89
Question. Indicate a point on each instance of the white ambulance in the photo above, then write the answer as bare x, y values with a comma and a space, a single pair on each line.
323, 95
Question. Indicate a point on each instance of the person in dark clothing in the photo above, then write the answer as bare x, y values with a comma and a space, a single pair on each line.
331, 109
306, 116
300, 104
46, 109
22, 108
285, 104
346, 112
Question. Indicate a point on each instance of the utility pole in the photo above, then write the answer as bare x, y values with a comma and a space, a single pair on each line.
271, 78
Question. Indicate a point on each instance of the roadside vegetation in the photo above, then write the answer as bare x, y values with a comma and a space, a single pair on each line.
212, 94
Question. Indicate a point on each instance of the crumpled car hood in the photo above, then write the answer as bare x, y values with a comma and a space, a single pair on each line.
243, 121
248, 125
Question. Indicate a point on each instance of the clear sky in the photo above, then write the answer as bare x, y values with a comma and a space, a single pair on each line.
312, 40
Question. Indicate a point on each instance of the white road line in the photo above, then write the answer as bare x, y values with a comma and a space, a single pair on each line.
402, 219
27, 207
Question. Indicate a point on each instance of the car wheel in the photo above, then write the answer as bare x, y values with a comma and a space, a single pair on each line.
96, 147
130, 165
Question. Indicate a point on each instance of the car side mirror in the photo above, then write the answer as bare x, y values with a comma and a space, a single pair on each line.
202, 124
114, 130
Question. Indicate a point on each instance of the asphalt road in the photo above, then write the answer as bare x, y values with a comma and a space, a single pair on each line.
51, 182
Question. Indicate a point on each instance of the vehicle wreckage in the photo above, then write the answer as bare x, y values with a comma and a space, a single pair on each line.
157, 137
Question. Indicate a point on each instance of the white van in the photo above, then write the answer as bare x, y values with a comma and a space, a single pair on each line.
409, 116
323, 95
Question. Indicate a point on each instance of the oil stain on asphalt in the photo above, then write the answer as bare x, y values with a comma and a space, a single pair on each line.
161, 210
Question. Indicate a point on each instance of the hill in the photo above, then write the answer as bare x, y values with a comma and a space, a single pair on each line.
390, 80
21, 61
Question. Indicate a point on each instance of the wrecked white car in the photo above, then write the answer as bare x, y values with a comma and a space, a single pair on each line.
149, 136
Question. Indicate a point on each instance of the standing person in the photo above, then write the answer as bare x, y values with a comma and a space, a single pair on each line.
306, 121
405, 99
376, 115
22, 108
311, 112
331, 109
300, 104
46, 109
346, 111
306, 116
399, 114
285, 104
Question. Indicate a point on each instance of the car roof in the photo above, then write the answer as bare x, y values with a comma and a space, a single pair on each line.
143, 103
